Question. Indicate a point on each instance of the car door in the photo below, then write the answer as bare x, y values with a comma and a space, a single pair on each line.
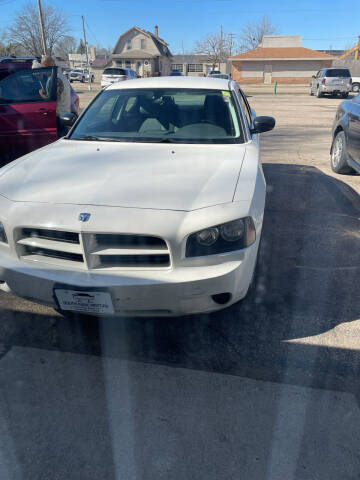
353, 137
27, 117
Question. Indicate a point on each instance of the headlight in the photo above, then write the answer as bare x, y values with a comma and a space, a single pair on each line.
3, 238
207, 237
223, 238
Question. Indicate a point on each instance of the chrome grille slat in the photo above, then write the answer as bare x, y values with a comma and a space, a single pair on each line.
50, 244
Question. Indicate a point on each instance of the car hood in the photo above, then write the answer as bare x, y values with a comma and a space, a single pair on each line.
139, 175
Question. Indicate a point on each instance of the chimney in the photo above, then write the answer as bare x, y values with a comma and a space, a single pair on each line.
156, 33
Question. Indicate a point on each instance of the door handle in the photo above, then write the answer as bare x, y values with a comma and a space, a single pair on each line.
43, 111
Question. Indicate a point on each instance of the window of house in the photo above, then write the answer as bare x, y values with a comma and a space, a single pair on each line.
128, 63
128, 45
119, 63
177, 66
195, 67
143, 44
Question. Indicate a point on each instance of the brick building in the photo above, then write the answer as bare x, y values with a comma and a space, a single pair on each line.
279, 58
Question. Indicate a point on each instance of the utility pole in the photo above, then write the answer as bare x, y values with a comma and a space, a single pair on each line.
231, 43
357, 51
42, 29
86, 51
221, 43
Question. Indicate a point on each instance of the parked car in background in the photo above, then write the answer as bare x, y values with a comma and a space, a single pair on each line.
333, 81
225, 76
355, 85
213, 72
174, 203
27, 120
80, 75
345, 148
116, 74
175, 73
12, 64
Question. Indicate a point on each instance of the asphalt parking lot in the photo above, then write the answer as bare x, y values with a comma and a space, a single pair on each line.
266, 389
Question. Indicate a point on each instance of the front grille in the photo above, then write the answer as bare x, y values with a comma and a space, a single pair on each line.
57, 247
134, 260
118, 240
58, 235
91, 250
125, 250
74, 257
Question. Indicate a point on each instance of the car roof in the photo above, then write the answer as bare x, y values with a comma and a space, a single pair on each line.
174, 82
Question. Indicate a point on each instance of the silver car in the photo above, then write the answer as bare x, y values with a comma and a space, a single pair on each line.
334, 81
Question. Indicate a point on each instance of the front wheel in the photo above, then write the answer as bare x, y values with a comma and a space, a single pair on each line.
355, 87
339, 156
345, 94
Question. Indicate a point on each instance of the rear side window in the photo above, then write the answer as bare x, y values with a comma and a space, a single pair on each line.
338, 72
114, 71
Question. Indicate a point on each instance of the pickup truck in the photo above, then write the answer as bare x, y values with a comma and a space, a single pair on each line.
355, 85
80, 75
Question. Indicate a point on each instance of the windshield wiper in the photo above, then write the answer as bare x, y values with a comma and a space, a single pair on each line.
95, 138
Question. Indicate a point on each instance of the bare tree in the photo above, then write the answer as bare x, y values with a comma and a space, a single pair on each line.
65, 45
252, 34
25, 29
215, 47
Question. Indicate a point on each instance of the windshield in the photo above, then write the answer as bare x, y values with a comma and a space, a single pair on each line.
114, 71
339, 72
78, 71
176, 115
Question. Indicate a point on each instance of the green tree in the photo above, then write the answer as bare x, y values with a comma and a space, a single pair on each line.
81, 47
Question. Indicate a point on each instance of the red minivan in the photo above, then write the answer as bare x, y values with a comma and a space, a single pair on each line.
27, 120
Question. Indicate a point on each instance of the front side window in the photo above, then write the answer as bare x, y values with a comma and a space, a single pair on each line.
161, 115
27, 86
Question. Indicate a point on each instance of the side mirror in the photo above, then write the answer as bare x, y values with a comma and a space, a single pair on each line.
313, 76
262, 124
68, 119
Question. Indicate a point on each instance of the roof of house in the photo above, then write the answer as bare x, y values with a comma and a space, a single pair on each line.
190, 58
161, 45
282, 53
101, 62
134, 54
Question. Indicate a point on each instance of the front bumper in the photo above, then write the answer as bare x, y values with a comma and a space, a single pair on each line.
179, 291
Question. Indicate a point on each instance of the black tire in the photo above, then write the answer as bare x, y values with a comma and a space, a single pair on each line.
355, 87
345, 94
339, 156
318, 93
71, 81
82, 80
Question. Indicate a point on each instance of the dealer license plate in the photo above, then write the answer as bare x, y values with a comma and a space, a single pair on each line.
86, 302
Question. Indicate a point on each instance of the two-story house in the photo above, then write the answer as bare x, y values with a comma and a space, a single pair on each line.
143, 51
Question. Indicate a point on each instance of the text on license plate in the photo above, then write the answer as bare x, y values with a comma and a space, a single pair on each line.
87, 302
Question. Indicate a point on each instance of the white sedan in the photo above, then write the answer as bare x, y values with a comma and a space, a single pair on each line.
152, 204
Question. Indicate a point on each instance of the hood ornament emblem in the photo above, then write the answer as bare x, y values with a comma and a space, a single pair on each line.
84, 217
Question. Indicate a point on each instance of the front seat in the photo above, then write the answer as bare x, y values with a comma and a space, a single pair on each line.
217, 112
